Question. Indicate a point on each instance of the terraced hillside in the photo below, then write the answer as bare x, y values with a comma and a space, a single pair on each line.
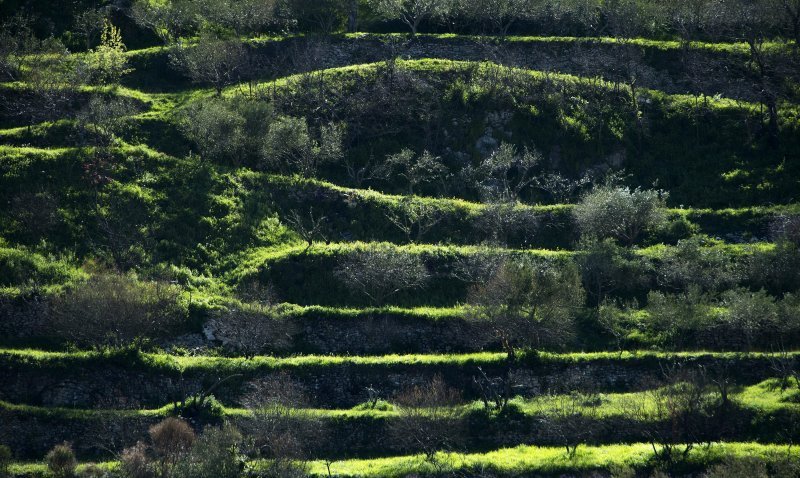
530, 239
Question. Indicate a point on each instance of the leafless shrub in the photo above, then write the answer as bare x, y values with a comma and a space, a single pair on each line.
116, 310
381, 272
429, 420
135, 463
283, 432
252, 329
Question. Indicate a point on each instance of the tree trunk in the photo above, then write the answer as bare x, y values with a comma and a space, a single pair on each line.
352, 18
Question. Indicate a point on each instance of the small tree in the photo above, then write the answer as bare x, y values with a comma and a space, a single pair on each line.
524, 304
572, 421
107, 63
429, 420
215, 454
211, 61
416, 170
679, 415
506, 173
309, 227
620, 213
282, 431
528, 304
414, 218
381, 272
215, 128
61, 461
410, 12
502, 222
290, 147
103, 119
251, 329
89, 24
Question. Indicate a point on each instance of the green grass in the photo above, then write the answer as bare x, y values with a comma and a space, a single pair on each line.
529, 460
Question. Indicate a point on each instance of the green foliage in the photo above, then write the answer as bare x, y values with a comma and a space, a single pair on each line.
21, 269
216, 454
620, 213
107, 63
61, 461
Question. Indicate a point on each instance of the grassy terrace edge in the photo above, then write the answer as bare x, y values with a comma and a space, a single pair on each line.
547, 461
185, 363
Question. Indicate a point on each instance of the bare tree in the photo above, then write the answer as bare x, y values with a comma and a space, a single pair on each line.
211, 61
414, 217
429, 420
381, 272
252, 329
309, 227
677, 416
573, 420
283, 432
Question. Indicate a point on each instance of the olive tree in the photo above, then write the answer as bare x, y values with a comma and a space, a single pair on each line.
620, 213
506, 173
410, 12
290, 146
381, 272
416, 170
216, 129
529, 303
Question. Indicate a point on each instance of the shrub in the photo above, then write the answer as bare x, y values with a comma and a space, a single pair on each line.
697, 262
620, 213
61, 461
113, 310
215, 454
172, 438
134, 462
107, 63
216, 129
737, 467
429, 419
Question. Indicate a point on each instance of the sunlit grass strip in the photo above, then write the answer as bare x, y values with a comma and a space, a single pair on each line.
40, 358
533, 460
441, 66
527, 460
764, 397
